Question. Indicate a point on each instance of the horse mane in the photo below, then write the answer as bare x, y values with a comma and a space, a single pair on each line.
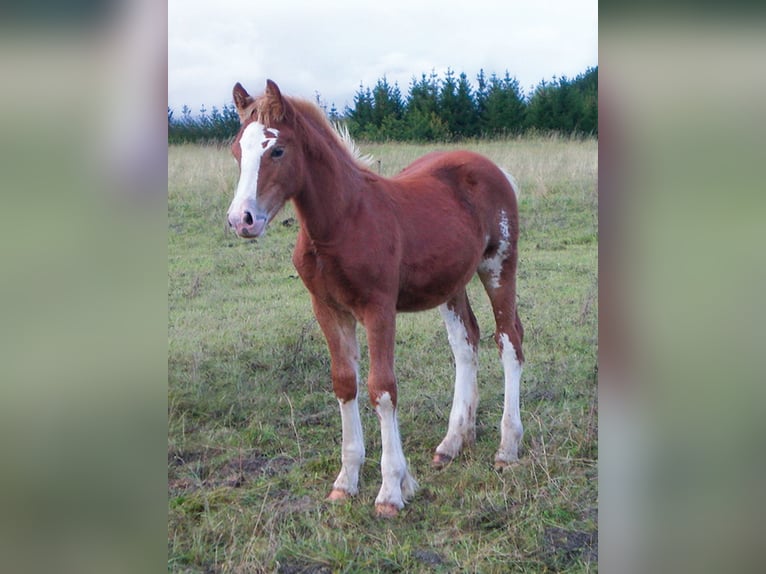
269, 110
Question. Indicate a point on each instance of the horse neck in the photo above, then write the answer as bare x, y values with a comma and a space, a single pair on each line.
330, 194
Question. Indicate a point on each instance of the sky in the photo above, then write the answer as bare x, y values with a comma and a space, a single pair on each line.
333, 46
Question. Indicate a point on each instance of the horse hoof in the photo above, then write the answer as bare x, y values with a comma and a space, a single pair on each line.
337, 495
441, 460
386, 510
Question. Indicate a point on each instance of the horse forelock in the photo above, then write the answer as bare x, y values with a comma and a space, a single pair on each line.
269, 110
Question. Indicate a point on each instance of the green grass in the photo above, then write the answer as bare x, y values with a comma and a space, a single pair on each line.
254, 429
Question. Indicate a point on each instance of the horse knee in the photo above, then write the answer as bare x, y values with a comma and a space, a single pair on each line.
512, 336
344, 384
377, 389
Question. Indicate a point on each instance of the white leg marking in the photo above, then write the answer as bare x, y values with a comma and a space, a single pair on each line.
352, 453
511, 429
462, 419
494, 265
398, 485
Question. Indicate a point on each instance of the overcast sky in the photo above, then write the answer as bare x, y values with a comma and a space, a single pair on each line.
331, 46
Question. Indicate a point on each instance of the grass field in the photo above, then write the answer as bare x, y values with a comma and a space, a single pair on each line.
253, 425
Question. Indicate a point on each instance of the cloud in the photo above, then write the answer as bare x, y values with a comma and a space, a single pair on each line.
333, 46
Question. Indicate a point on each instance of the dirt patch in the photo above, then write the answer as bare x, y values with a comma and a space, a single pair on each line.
257, 465
564, 547
191, 472
428, 557
490, 517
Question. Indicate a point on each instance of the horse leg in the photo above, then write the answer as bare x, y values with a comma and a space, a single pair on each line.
398, 485
340, 332
463, 335
509, 333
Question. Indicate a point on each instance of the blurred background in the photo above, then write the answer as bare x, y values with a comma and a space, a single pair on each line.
83, 313
682, 274
83, 308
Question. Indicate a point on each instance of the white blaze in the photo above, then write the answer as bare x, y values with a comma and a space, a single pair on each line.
256, 139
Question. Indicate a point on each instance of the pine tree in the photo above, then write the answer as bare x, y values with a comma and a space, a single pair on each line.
387, 102
504, 107
561, 106
334, 114
481, 99
447, 109
587, 85
421, 122
466, 114
360, 118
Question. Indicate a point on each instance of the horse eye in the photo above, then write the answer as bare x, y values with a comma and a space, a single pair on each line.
277, 152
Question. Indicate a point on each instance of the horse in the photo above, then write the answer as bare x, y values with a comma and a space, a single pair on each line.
368, 247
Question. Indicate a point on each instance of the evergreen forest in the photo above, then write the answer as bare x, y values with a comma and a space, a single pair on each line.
435, 109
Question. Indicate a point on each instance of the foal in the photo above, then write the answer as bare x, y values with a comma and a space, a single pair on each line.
371, 246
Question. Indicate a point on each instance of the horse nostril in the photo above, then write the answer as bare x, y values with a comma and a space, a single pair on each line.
248, 218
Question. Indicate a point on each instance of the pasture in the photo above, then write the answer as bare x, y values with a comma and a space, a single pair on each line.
253, 424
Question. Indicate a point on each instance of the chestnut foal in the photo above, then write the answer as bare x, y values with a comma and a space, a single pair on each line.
370, 246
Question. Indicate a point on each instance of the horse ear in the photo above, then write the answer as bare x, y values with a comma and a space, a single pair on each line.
241, 99
278, 107
273, 90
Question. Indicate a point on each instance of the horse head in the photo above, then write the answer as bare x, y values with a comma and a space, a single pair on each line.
266, 153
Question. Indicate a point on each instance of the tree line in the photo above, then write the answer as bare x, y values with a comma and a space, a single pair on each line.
437, 109
207, 127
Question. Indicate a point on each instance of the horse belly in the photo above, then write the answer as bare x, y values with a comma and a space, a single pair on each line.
428, 286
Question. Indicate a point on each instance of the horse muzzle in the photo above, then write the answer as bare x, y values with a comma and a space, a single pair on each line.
248, 224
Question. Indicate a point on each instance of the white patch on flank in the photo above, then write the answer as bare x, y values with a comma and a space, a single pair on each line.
512, 181
494, 264
511, 429
254, 142
398, 485
462, 419
352, 454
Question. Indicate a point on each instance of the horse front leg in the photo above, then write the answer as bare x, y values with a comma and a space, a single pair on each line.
340, 332
398, 485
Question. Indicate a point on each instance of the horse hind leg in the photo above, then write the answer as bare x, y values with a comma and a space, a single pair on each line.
501, 288
463, 335
511, 429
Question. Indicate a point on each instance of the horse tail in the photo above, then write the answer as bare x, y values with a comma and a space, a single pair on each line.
512, 181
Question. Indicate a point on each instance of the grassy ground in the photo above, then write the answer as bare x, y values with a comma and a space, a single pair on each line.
254, 429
